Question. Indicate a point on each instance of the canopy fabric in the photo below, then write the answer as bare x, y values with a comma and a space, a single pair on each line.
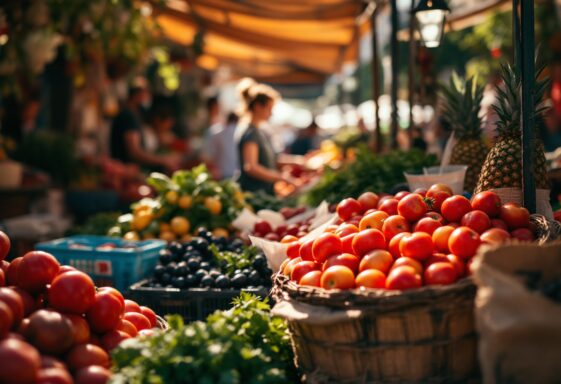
300, 41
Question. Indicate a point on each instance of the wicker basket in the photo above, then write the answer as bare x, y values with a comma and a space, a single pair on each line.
369, 336
426, 335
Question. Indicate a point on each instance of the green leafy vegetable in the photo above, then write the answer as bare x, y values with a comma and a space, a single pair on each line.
242, 345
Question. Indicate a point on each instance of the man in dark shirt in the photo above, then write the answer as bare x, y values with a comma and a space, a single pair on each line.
126, 135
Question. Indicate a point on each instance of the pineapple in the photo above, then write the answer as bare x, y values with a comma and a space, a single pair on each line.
462, 102
503, 165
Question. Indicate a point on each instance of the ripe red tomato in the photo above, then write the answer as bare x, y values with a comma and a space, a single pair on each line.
348, 208
131, 306
383, 198
5, 245
80, 328
523, 234
368, 240
66, 268
262, 228
127, 327
24, 362
138, 320
498, 223
301, 268
93, 374
418, 246
458, 264
290, 263
420, 191
346, 229
306, 250
435, 258
371, 278
441, 273
407, 261
476, 220
50, 332
436, 198
72, 292
288, 239
436, 216
115, 293
373, 220
12, 272
347, 243
368, 200
495, 236
488, 202
427, 225
412, 207
4, 265
393, 246
53, 376
403, 278
455, 207
440, 188
105, 312
337, 277
11, 298
6, 319
378, 259
327, 244
311, 279
401, 194
36, 270
515, 216
394, 225
2, 278
85, 355
150, 315
389, 206
463, 242
347, 259
440, 238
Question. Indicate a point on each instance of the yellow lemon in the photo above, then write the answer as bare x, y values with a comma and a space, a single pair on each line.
213, 204
185, 202
180, 225
132, 236
220, 232
167, 236
172, 197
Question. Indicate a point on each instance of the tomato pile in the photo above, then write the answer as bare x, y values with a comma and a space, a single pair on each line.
427, 237
56, 326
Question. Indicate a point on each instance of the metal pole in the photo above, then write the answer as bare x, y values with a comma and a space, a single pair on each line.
528, 73
517, 43
411, 66
395, 72
376, 82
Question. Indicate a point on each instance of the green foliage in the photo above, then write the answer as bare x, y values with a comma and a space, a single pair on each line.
51, 152
231, 261
462, 102
369, 172
99, 224
242, 345
261, 200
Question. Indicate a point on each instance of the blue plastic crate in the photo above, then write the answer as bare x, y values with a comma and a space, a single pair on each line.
108, 260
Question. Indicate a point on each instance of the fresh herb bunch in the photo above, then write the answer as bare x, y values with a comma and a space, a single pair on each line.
242, 345
260, 200
369, 172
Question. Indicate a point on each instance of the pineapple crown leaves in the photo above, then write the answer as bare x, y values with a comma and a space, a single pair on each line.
462, 103
508, 105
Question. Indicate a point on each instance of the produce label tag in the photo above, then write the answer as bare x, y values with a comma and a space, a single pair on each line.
103, 268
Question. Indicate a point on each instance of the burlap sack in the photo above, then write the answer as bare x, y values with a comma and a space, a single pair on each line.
514, 195
520, 329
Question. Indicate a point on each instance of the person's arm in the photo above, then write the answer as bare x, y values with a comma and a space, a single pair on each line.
250, 153
139, 155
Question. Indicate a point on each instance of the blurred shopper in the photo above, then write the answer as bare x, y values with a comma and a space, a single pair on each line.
222, 148
214, 125
126, 135
258, 160
306, 141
